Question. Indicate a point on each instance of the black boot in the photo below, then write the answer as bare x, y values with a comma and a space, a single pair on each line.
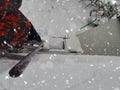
34, 35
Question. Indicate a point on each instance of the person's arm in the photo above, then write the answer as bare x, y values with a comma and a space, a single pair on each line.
10, 5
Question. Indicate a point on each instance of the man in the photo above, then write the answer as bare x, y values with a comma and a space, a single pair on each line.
15, 28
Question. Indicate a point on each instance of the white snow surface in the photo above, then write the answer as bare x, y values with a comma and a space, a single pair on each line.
61, 72
64, 72
55, 17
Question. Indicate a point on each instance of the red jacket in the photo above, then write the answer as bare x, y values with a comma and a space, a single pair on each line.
14, 26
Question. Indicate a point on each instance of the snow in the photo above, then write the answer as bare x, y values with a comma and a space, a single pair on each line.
55, 71
54, 17
65, 72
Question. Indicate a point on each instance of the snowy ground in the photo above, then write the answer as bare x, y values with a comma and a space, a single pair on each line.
65, 72
55, 17
61, 72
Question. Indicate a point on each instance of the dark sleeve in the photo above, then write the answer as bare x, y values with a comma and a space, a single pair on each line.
10, 5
